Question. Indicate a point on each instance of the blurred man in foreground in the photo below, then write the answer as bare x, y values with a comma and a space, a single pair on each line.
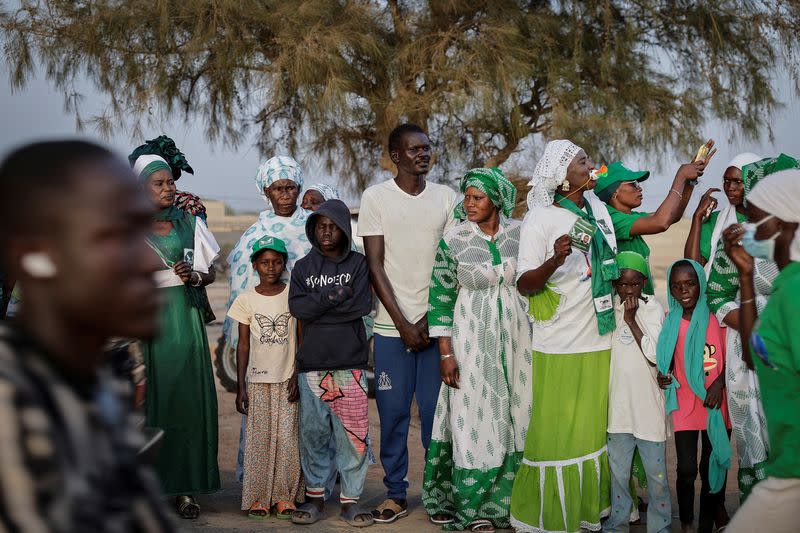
72, 232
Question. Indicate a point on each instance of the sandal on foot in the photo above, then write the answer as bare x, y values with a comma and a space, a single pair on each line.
314, 515
187, 507
481, 524
284, 510
257, 511
389, 511
351, 514
442, 519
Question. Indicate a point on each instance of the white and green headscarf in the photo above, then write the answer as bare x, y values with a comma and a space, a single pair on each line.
277, 168
147, 165
328, 192
494, 184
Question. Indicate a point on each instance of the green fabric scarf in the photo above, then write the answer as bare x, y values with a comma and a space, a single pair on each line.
494, 184
604, 267
755, 172
694, 346
165, 147
184, 226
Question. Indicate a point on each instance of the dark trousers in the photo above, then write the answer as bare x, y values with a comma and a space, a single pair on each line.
686, 448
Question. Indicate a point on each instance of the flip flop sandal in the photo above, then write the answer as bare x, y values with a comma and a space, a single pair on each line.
284, 510
314, 514
442, 521
481, 523
353, 512
187, 508
393, 507
257, 511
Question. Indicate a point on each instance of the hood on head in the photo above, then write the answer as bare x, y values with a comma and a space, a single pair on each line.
335, 210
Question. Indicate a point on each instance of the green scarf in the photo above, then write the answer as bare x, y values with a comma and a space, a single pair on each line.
494, 184
183, 223
755, 172
164, 147
604, 267
694, 347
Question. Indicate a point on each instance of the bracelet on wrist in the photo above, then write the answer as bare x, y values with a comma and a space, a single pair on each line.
446, 356
199, 281
748, 301
676, 192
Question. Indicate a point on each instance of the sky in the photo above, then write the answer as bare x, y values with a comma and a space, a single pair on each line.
37, 112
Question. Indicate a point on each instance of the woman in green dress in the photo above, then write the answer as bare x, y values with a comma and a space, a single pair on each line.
181, 397
484, 336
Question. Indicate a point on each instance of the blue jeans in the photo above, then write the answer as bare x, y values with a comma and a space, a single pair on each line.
399, 377
654, 458
319, 425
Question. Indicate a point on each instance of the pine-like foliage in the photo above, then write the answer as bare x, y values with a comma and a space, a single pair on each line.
335, 76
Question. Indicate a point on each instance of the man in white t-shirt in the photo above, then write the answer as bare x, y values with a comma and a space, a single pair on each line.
402, 221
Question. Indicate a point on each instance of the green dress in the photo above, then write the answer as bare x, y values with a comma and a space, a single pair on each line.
181, 396
623, 222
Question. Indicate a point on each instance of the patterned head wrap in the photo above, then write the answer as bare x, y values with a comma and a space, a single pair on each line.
755, 172
779, 195
276, 168
328, 192
165, 148
494, 183
550, 172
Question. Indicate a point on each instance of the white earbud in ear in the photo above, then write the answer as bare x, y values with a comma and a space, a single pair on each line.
38, 265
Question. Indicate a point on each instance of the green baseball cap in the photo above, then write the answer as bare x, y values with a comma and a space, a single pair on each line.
615, 174
269, 243
633, 261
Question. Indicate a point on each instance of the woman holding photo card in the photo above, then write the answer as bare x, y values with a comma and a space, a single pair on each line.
181, 398
565, 268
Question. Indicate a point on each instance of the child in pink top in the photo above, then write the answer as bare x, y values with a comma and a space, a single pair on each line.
691, 415
689, 421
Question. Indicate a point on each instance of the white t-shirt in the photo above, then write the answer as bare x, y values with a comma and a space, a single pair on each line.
635, 402
411, 227
273, 335
573, 328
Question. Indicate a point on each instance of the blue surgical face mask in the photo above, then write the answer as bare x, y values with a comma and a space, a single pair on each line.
762, 249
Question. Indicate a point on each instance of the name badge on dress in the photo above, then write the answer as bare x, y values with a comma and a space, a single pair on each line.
625, 335
603, 303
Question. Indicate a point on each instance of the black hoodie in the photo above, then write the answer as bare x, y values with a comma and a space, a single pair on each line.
333, 337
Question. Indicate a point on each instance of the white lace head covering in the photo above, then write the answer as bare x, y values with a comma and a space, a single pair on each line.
550, 172
779, 195
276, 168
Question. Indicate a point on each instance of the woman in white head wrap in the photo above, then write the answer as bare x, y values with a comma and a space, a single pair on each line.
744, 396
772, 234
563, 481
706, 231
318, 193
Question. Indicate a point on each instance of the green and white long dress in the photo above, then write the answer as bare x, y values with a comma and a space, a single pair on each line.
563, 482
749, 425
479, 429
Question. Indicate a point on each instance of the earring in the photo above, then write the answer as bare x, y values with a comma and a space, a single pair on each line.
565, 186
38, 265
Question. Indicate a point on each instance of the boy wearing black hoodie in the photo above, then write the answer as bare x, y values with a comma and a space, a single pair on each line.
329, 293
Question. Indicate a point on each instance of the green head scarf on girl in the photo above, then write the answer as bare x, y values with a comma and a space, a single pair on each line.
494, 184
694, 346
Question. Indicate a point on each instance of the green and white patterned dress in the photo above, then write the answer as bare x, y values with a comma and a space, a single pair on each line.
749, 426
479, 429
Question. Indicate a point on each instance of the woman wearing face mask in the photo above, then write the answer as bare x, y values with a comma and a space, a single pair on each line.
706, 232
565, 268
181, 397
771, 333
744, 397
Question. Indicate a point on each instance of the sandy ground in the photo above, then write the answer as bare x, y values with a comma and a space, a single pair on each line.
220, 512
